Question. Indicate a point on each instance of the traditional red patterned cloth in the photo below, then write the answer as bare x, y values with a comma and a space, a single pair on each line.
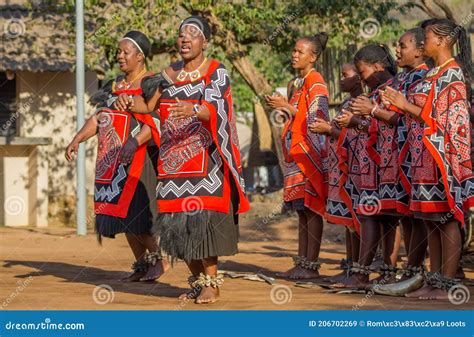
338, 208
348, 149
305, 167
444, 182
115, 183
380, 189
363, 163
404, 127
198, 159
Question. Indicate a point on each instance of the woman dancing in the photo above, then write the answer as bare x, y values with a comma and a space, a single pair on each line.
125, 182
305, 165
200, 186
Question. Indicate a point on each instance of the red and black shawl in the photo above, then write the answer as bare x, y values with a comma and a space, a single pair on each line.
199, 161
115, 183
447, 137
338, 207
306, 155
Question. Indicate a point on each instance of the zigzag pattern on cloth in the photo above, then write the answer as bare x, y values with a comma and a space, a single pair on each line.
188, 89
428, 192
388, 191
212, 94
210, 185
451, 75
337, 208
110, 192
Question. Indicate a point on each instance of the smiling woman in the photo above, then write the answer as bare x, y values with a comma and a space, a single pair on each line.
124, 192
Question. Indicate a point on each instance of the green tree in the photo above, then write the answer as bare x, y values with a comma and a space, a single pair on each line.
253, 37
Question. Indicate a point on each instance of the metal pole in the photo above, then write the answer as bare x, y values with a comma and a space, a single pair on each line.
81, 154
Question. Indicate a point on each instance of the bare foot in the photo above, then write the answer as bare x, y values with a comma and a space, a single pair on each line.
336, 278
298, 273
420, 292
134, 277
304, 274
156, 271
191, 294
287, 273
208, 295
435, 294
384, 279
358, 281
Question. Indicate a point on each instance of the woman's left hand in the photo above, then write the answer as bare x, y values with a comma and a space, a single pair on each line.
181, 109
128, 150
362, 105
392, 96
320, 126
276, 101
343, 120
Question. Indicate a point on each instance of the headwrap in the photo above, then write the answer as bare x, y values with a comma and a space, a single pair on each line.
140, 41
199, 23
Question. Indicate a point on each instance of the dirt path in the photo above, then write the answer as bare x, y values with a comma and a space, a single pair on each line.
50, 269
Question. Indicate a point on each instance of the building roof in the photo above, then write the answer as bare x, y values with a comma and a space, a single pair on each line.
33, 41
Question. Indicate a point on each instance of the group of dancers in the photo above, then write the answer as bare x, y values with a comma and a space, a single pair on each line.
396, 157
169, 175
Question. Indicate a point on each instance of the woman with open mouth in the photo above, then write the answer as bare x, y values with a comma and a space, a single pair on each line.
200, 186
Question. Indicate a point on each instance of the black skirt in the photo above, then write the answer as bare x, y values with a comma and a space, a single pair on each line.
195, 236
142, 210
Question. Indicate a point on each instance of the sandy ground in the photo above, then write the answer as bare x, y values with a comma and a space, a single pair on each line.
49, 269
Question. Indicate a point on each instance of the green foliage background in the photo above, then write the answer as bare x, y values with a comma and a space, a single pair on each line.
266, 29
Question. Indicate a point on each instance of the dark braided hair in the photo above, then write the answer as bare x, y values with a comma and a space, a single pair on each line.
318, 42
377, 53
455, 34
419, 35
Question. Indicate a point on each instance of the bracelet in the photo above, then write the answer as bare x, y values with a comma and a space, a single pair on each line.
360, 126
196, 108
374, 110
